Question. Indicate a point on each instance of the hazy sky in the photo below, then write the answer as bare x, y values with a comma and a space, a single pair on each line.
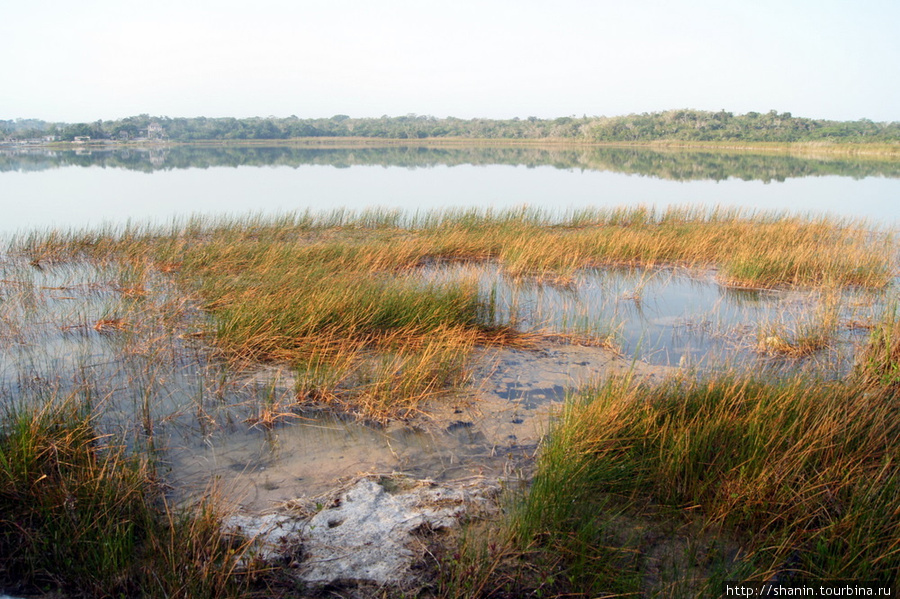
105, 59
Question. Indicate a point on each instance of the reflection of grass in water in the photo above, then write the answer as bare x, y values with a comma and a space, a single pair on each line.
310, 288
670, 489
340, 297
91, 382
758, 249
808, 335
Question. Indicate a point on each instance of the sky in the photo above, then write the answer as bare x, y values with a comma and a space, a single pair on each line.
108, 59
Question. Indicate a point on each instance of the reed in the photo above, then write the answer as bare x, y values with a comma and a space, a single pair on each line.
809, 333
879, 365
307, 288
353, 310
79, 513
803, 472
759, 249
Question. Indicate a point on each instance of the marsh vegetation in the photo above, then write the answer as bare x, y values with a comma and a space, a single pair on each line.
641, 486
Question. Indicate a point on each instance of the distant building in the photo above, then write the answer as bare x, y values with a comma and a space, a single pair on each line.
82, 139
155, 131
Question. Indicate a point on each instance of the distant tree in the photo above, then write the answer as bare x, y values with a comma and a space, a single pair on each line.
682, 124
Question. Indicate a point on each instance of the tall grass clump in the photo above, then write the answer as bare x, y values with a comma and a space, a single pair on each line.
353, 311
879, 365
317, 289
81, 515
803, 473
71, 510
811, 332
755, 249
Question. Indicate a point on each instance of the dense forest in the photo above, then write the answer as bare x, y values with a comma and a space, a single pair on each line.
672, 125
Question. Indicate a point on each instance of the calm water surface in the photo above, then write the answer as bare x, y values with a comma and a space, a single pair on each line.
43, 188
155, 382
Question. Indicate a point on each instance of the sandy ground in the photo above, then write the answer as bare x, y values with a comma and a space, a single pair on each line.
492, 430
369, 528
520, 389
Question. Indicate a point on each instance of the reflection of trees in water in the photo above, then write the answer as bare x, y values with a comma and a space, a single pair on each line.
664, 164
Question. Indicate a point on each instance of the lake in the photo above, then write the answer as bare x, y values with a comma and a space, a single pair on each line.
658, 320
43, 188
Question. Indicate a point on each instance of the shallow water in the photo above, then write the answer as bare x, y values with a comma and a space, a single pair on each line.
132, 351
674, 317
154, 381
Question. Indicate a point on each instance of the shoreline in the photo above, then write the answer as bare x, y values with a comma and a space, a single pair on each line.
808, 149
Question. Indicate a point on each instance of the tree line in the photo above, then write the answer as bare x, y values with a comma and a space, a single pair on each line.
677, 165
671, 125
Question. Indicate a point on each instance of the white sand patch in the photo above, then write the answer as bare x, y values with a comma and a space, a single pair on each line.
370, 531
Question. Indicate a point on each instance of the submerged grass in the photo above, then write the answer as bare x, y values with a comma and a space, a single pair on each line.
317, 289
790, 479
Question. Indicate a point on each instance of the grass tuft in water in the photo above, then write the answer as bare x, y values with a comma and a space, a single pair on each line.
879, 365
326, 291
803, 473
79, 514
